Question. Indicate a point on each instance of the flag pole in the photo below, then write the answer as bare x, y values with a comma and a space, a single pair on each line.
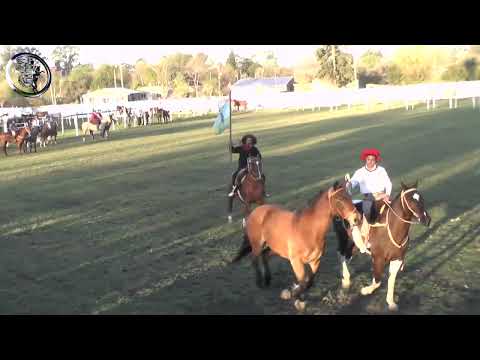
230, 107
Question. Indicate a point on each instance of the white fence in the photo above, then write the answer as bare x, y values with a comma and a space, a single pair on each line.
330, 98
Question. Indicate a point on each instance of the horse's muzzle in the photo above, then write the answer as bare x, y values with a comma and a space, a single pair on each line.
425, 219
354, 219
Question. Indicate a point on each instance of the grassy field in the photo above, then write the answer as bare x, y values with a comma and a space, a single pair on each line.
137, 224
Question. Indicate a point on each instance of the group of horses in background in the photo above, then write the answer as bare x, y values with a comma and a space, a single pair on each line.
139, 117
300, 236
27, 132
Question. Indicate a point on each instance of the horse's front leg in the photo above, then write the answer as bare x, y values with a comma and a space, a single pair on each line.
378, 268
246, 212
230, 208
313, 265
299, 287
394, 267
344, 271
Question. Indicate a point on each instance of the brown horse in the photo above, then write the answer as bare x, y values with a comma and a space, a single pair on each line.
388, 239
251, 189
4, 139
296, 236
238, 103
88, 126
21, 138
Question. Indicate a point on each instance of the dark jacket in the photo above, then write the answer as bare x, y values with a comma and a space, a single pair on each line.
242, 160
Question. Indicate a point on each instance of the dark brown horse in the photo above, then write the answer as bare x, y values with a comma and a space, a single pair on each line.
238, 103
388, 239
251, 188
296, 236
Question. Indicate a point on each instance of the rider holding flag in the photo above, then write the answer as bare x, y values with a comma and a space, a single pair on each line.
246, 149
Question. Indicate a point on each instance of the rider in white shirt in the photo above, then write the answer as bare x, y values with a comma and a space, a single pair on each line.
374, 183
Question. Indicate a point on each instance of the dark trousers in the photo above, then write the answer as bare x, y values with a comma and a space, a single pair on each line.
374, 210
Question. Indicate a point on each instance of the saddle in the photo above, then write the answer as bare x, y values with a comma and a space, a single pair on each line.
242, 174
377, 209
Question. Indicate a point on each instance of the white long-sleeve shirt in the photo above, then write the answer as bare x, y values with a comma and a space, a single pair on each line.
372, 181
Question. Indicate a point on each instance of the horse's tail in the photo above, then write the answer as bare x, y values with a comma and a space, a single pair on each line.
245, 249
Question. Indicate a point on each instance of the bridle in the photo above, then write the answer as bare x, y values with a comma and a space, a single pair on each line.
330, 196
258, 169
403, 202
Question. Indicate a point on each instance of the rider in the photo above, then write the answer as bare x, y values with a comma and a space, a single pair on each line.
95, 117
13, 128
374, 183
246, 149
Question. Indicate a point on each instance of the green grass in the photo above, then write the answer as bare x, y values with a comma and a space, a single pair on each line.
137, 224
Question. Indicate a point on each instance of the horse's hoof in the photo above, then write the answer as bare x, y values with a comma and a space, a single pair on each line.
286, 294
300, 305
346, 284
365, 291
393, 307
229, 219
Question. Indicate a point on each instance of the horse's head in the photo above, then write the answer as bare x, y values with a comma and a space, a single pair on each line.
254, 167
412, 201
342, 205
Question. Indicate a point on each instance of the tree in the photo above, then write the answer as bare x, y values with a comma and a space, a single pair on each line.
370, 59
268, 62
102, 77
9, 51
65, 57
77, 83
146, 74
470, 66
181, 87
335, 65
455, 72
210, 87
195, 68
232, 60
177, 63
247, 67
306, 71
421, 63
394, 74
9, 98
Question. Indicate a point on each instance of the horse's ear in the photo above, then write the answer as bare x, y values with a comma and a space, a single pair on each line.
336, 185
416, 184
404, 187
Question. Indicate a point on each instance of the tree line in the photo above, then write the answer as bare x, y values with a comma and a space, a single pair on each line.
187, 75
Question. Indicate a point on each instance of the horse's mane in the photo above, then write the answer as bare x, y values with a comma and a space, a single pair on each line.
311, 203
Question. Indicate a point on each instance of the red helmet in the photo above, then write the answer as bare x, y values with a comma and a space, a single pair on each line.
368, 152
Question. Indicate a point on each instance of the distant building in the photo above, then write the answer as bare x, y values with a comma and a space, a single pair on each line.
154, 92
246, 88
113, 96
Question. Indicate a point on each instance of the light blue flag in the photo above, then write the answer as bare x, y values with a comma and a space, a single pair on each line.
223, 119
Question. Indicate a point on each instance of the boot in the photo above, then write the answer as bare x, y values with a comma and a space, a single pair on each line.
232, 193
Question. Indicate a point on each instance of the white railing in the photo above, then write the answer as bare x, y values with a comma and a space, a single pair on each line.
330, 98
